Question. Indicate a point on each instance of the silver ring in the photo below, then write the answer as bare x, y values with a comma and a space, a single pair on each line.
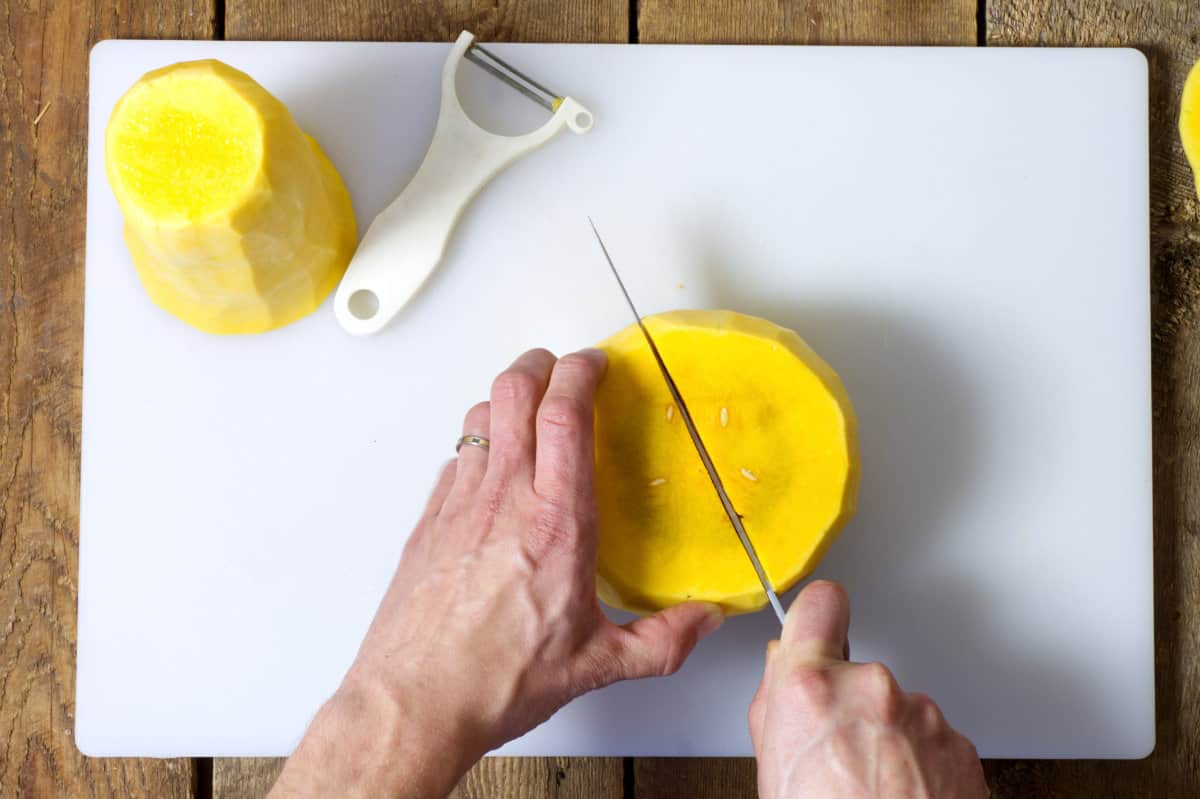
474, 441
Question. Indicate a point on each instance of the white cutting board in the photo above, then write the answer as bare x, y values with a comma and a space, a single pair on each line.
962, 233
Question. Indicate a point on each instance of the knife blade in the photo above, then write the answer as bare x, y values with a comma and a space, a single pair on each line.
734, 518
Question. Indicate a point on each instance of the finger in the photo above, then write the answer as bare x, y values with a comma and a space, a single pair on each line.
772, 659
924, 716
472, 459
441, 490
421, 534
818, 623
565, 464
973, 778
657, 645
758, 705
516, 394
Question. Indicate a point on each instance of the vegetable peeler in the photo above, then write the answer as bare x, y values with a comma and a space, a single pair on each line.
407, 240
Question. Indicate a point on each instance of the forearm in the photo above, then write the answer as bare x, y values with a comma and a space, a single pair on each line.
365, 742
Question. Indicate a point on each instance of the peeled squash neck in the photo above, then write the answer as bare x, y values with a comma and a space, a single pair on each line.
235, 219
781, 432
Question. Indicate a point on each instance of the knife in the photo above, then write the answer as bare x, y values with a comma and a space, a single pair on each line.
702, 450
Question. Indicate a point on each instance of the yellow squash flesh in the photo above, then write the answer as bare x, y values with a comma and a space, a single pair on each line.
781, 432
235, 219
1189, 121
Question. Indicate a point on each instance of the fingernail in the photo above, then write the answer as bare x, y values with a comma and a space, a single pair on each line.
713, 618
594, 353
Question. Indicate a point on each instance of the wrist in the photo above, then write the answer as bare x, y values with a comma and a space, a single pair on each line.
368, 740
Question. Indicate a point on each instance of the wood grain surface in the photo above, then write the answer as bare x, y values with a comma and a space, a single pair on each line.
244, 777
1168, 33
808, 22
560, 777
387, 20
43, 141
43, 103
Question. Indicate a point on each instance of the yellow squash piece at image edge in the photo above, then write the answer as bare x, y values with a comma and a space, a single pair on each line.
235, 219
1189, 121
781, 432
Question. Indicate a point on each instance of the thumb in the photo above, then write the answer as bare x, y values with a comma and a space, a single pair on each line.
658, 645
757, 715
818, 623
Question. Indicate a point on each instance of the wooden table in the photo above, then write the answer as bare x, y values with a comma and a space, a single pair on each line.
43, 120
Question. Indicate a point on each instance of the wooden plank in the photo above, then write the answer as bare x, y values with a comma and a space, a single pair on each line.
492, 778
942, 22
43, 141
495, 778
244, 777
1166, 32
695, 777
949, 22
380, 20
527, 777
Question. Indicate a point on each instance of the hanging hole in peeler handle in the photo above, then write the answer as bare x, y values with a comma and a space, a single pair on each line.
363, 304
583, 121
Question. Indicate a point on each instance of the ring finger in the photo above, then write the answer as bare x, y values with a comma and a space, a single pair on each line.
472, 457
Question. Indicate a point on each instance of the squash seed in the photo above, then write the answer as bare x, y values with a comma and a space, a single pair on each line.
749, 475
670, 412
657, 481
724, 417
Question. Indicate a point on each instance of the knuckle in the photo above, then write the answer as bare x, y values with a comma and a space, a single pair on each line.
552, 529
673, 663
609, 664
675, 652
575, 365
814, 686
600, 663
562, 412
516, 386
497, 498
926, 711
966, 750
884, 690
676, 655
919, 702
479, 413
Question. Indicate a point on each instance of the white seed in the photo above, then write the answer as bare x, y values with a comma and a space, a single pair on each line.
657, 481
749, 475
670, 412
724, 417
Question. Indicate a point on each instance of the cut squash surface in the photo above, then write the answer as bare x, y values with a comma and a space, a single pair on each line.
187, 146
235, 219
780, 429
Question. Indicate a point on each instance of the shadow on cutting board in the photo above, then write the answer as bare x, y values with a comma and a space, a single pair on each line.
918, 443
920, 447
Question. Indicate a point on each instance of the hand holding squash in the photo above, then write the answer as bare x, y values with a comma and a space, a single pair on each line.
824, 727
492, 622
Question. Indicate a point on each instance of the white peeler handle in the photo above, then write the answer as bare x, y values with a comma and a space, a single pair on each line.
405, 242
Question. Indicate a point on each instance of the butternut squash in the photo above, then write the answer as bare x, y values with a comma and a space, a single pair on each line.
780, 429
235, 219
